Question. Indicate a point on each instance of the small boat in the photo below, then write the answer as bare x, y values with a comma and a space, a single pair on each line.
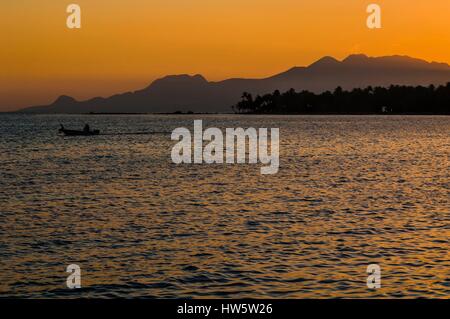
85, 132
79, 133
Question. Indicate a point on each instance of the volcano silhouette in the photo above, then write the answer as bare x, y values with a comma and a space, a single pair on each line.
194, 93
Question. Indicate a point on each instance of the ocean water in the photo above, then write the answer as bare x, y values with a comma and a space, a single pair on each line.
351, 191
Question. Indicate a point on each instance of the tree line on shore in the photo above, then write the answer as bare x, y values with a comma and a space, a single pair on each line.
395, 99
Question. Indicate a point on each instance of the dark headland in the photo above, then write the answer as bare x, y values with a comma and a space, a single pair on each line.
322, 87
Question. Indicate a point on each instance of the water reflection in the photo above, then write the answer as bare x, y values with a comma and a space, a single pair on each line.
351, 191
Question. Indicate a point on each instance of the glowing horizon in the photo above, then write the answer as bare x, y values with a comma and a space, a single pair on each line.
125, 45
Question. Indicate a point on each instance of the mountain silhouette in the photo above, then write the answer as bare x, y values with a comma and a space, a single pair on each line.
194, 93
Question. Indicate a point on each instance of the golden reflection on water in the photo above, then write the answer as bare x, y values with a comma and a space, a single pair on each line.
351, 191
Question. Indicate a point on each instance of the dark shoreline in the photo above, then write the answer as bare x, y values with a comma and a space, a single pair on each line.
262, 114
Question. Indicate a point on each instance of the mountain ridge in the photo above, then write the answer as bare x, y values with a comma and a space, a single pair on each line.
186, 92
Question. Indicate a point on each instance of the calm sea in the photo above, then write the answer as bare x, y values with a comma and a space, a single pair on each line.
351, 191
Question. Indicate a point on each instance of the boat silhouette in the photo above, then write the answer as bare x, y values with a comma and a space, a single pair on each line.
85, 132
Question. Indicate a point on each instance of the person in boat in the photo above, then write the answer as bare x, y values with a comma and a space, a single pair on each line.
86, 128
62, 127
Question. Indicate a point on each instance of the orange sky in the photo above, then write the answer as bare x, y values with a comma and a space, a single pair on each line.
125, 44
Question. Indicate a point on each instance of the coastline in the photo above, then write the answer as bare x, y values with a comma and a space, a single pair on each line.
231, 113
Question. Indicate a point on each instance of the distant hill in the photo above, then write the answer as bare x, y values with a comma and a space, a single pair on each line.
195, 93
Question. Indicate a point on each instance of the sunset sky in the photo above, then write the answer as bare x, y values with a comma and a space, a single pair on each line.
125, 44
